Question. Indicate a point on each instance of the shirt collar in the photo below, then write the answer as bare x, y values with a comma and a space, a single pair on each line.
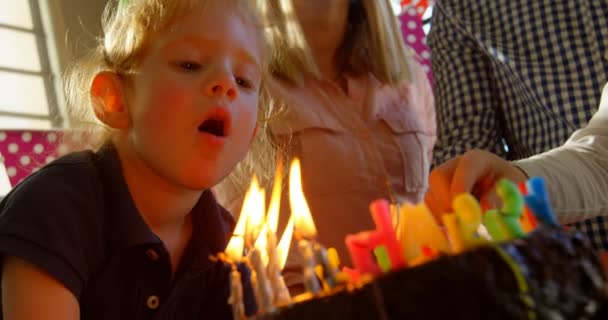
212, 224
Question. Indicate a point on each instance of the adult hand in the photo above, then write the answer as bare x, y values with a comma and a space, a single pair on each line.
475, 172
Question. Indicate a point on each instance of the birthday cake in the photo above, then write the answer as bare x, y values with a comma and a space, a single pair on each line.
512, 262
551, 274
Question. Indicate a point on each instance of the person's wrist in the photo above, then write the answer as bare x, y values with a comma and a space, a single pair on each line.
517, 174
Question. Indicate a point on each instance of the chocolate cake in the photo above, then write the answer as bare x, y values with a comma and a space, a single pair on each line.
550, 274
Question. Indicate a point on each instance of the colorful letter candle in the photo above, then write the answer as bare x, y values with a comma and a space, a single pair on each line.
538, 201
452, 228
419, 229
504, 224
527, 219
304, 228
361, 246
468, 213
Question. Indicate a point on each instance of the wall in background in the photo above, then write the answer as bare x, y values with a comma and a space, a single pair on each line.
74, 25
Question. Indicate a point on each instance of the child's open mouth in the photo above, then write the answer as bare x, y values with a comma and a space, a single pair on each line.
214, 127
217, 123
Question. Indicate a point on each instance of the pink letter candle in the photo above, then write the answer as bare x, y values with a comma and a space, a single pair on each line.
362, 245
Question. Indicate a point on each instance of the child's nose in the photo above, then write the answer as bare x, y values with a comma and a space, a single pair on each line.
222, 86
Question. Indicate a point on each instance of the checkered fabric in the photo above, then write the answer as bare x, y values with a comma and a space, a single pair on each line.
517, 77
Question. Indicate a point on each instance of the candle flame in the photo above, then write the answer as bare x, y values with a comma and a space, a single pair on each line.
272, 218
285, 243
254, 210
234, 250
261, 244
304, 225
235, 247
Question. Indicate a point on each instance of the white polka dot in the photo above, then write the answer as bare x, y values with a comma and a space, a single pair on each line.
411, 38
426, 69
63, 149
412, 25
50, 159
25, 160
420, 10
35, 169
2, 136
26, 137
412, 12
51, 137
13, 148
425, 54
38, 148
11, 171
424, 40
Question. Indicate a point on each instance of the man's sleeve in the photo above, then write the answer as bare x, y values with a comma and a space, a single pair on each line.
577, 172
464, 90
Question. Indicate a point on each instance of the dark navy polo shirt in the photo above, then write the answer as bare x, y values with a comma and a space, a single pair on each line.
76, 220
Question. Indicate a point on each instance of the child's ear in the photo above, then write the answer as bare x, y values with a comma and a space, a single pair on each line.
109, 101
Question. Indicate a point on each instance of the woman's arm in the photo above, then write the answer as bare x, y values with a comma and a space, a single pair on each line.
29, 293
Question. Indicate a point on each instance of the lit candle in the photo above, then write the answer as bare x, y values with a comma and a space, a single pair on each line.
275, 261
254, 209
362, 245
236, 295
255, 232
234, 255
281, 293
263, 288
304, 227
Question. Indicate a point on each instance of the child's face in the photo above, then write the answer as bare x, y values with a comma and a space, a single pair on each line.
194, 100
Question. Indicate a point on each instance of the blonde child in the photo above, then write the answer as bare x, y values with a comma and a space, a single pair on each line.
126, 232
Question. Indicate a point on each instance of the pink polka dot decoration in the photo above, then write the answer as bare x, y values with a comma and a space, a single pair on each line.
414, 37
25, 151
420, 5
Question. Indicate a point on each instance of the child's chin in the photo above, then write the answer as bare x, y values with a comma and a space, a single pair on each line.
201, 182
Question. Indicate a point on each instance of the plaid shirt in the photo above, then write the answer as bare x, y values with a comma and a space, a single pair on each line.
517, 77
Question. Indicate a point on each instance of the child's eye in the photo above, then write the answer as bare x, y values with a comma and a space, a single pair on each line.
189, 65
244, 83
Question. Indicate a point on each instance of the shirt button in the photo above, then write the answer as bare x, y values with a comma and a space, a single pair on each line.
153, 302
152, 255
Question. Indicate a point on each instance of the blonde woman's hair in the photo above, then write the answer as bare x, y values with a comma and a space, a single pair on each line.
127, 26
372, 43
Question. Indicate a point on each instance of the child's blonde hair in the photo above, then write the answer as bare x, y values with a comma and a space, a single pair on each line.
127, 26
372, 43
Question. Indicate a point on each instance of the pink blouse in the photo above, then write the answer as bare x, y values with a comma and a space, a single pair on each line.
350, 143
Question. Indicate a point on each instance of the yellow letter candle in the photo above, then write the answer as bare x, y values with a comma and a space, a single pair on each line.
419, 229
